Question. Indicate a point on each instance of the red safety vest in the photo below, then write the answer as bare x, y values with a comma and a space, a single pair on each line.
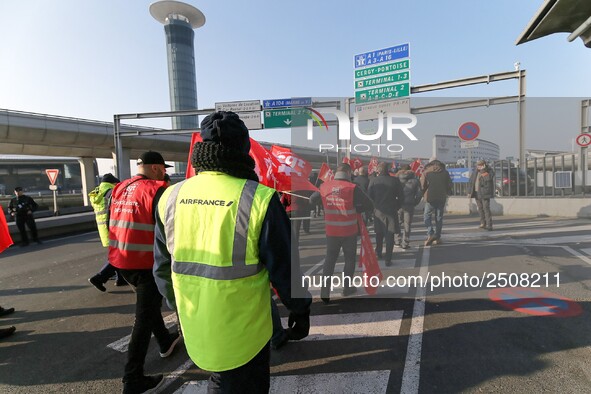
340, 215
131, 224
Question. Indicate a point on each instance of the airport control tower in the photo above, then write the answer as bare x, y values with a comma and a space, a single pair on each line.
179, 20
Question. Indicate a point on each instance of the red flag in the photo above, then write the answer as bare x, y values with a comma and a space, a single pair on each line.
5, 239
290, 162
373, 165
356, 164
195, 137
297, 183
417, 167
266, 165
325, 174
368, 259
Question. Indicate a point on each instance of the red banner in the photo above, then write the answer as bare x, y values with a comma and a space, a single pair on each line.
325, 174
267, 166
195, 137
417, 167
291, 163
5, 239
356, 164
368, 259
373, 165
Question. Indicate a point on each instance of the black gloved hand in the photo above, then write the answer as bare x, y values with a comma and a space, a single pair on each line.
299, 325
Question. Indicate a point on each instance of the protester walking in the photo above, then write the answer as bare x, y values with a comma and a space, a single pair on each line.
386, 193
342, 200
221, 240
482, 188
436, 185
21, 207
411, 196
99, 198
131, 243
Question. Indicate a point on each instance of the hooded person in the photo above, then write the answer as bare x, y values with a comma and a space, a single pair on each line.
221, 240
99, 200
411, 196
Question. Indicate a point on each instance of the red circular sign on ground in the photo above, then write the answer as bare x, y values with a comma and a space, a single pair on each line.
468, 131
584, 140
535, 302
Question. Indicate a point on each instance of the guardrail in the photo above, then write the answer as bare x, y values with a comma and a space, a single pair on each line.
548, 176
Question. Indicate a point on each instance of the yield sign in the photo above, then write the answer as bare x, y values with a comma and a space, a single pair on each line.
52, 175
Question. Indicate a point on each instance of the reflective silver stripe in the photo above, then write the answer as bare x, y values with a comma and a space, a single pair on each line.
131, 247
131, 225
337, 212
341, 224
169, 212
101, 223
213, 272
104, 211
242, 220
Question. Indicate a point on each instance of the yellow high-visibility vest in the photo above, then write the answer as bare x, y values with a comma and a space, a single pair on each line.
212, 224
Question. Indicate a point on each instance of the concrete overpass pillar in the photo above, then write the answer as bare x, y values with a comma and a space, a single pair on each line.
87, 165
125, 171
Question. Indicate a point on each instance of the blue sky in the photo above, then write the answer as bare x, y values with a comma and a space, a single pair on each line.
92, 59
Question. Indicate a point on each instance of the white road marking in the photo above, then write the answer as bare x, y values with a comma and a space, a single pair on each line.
577, 254
122, 344
322, 383
353, 325
174, 375
412, 366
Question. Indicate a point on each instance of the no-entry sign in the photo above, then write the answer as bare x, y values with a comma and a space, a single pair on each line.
535, 302
468, 131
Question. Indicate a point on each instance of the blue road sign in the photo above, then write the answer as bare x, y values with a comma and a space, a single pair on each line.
459, 175
288, 102
381, 56
469, 131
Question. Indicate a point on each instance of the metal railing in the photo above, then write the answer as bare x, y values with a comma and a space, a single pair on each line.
548, 176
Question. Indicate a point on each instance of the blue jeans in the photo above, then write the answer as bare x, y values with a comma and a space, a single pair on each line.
434, 208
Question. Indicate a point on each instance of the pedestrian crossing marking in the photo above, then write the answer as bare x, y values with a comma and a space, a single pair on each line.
322, 383
353, 325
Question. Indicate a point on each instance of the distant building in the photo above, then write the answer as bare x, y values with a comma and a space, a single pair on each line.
447, 149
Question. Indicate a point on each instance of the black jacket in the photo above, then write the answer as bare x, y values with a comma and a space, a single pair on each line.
486, 178
386, 193
411, 189
21, 205
362, 181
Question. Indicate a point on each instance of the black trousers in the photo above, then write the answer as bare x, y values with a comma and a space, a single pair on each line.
148, 320
385, 228
333, 249
21, 220
253, 377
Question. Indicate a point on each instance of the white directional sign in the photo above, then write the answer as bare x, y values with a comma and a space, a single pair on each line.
372, 110
252, 120
469, 144
239, 106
